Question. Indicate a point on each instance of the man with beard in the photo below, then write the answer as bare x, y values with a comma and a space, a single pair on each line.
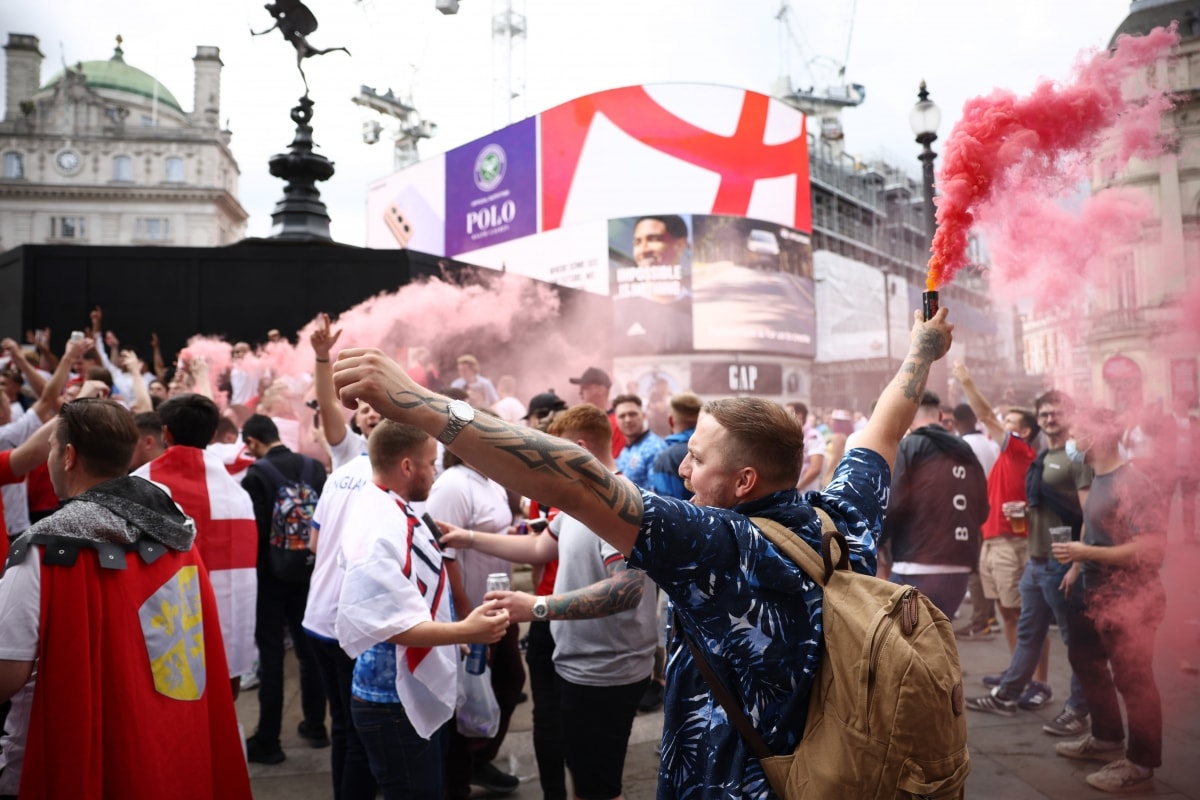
394, 617
1056, 486
753, 611
112, 604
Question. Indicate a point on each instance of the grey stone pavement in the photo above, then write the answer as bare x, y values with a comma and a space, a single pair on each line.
1011, 758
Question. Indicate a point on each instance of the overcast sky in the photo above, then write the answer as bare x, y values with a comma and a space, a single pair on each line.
574, 47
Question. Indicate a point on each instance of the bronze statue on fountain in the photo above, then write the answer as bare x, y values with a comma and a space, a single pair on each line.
300, 215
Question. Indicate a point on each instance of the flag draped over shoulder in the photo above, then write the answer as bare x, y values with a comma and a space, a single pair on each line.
226, 538
394, 581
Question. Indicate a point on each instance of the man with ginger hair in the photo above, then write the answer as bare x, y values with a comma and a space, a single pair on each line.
762, 635
602, 617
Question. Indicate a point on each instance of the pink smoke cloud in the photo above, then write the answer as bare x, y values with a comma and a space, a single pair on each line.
1008, 151
512, 324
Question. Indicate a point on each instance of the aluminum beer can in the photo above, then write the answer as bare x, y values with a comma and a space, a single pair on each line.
498, 582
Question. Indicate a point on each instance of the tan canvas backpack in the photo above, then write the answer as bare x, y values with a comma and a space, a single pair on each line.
885, 719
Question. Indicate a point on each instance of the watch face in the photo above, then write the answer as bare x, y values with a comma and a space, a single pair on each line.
461, 410
68, 160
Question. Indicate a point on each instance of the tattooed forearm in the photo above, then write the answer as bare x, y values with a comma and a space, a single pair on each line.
912, 378
408, 400
914, 373
620, 592
537, 451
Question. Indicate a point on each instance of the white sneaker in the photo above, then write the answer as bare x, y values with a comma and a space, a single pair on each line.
1122, 777
1089, 748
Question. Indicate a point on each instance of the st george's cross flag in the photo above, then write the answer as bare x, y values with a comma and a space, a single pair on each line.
226, 538
394, 581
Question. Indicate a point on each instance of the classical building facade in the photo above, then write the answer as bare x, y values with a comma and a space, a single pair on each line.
1121, 343
103, 153
1134, 350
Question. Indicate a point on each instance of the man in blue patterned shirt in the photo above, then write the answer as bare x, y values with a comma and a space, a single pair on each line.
752, 610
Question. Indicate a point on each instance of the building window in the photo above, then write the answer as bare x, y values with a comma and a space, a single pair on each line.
14, 165
122, 168
174, 169
68, 228
152, 229
1126, 281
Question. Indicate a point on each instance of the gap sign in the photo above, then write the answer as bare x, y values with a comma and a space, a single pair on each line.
732, 377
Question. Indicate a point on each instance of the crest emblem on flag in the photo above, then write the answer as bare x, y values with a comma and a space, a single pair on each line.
173, 624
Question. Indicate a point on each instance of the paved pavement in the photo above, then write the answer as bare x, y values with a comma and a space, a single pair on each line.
1011, 758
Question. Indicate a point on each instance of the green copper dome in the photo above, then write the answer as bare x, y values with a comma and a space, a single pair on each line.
116, 74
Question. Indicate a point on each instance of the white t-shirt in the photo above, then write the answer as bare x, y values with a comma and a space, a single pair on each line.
20, 619
985, 450
464, 497
350, 447
509, 409
814, 445
329, 520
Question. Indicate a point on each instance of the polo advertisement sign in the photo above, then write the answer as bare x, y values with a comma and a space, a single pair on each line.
491, 189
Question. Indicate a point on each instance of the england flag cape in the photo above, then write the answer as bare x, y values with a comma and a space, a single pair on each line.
226, 538
395, 580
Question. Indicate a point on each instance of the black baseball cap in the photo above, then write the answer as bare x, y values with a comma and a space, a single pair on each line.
593, 375
542, 404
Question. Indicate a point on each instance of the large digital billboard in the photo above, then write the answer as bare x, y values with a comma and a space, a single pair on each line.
688, 204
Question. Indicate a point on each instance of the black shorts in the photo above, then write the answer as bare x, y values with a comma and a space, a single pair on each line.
596, 721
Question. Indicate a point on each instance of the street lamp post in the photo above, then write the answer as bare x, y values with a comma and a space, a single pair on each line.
925, 118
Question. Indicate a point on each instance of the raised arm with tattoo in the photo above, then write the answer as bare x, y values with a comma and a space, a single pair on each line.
526, 460
565, 475
898, 404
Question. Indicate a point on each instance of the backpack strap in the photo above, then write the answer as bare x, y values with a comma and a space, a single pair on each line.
306, 472
733, 710
271, 472
819, 568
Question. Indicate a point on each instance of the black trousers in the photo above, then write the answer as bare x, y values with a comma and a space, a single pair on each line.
282, 603
547, 725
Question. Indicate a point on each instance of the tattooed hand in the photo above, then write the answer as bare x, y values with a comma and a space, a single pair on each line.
931, 340
370, 376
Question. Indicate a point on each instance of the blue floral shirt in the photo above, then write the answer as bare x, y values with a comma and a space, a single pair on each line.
757, 615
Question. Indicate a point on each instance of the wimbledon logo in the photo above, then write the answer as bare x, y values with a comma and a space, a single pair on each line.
490, 165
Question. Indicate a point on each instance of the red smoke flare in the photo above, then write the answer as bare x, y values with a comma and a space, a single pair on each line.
1004, 141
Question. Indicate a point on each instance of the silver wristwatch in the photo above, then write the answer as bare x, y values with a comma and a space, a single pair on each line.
540, 609
461, 415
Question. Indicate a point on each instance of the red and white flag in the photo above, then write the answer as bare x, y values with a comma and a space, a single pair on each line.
226, 538
395, 581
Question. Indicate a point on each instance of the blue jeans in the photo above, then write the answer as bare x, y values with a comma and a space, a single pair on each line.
1041, 600
405, 766
945, 590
